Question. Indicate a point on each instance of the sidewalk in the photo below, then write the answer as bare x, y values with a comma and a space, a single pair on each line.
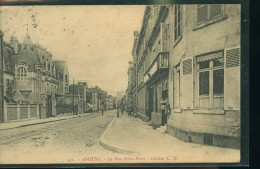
28, 122
131, 136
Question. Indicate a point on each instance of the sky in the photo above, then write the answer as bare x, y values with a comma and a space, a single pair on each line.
96, 41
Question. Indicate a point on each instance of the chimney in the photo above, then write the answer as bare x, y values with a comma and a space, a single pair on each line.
14, 44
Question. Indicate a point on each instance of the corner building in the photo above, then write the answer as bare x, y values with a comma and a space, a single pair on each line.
187, 63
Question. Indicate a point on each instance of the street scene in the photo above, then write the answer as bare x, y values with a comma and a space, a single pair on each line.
120, 84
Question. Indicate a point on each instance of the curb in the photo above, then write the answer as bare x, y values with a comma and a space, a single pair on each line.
106, 145
43, 122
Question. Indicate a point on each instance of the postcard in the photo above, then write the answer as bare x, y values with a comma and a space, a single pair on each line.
121, 84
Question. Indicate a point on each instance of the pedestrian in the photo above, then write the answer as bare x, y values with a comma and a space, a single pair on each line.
117, 112
102, 110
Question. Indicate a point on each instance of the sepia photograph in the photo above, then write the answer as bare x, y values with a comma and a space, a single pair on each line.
133, 84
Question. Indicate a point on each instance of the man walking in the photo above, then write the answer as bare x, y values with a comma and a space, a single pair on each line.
122, 107
102, 109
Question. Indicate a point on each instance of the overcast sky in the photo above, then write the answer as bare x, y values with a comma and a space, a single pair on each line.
96, 41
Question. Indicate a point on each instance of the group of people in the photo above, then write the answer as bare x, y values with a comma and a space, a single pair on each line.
121, 107
129, 112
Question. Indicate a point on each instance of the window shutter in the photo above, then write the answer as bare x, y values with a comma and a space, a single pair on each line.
202, 13
187, 66
232, 58
215, 10
232, 79
187, 84
164, 34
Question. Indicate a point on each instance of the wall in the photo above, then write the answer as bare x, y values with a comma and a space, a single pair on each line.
17, 112
223, 128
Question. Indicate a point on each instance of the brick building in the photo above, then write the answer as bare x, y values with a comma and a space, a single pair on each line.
187, 64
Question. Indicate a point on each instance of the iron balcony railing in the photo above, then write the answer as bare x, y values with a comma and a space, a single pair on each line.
160, 63
162, 60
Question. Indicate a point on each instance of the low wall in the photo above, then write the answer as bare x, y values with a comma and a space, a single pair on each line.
16, 112
213, 129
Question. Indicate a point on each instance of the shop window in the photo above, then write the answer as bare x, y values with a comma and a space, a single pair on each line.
211, 80
208, 12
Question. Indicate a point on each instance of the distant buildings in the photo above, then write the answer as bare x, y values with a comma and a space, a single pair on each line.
79, 90
187, 72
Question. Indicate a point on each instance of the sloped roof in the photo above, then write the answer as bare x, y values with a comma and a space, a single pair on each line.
60, 66
8, 53
31, 54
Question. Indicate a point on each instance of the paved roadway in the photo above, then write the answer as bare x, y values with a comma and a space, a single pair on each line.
69, 141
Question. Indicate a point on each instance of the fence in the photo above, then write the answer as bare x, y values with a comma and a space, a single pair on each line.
16, 112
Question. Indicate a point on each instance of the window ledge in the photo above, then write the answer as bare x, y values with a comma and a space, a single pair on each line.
209, 111
177, 40
209, 22
178, 110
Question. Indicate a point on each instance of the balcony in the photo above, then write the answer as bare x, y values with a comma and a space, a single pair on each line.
158, 69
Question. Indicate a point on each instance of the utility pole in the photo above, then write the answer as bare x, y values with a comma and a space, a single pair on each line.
73, 102
78, 99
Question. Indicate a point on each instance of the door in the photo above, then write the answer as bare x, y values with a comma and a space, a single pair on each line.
48, 106
150, 108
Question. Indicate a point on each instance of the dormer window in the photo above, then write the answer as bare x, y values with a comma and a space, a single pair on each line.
21, 73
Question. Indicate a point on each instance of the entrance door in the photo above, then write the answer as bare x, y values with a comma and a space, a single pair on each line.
150, 108
164, 102
48, 106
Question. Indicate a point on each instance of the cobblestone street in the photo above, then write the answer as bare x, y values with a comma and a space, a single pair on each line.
73, 140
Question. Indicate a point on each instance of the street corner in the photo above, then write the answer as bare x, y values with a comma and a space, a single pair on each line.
111, 144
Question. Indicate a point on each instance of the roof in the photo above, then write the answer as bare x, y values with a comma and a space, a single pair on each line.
31, 54
61, 66
8, 53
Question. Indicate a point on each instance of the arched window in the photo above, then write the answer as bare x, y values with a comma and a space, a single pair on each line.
21, 73
66, 78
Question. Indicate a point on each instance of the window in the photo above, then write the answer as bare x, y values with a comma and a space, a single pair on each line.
211, 80
21, 73
177, 22
208, 12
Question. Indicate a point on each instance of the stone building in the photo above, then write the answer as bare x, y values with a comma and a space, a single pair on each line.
187, 63
35, 75
109, 102
31, 81
129, 90
79, 90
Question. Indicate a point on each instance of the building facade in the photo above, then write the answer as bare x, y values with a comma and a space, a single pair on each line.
129, 92
187, 63
30, 78
80, 90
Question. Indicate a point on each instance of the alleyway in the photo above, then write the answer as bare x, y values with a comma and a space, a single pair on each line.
67, 141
